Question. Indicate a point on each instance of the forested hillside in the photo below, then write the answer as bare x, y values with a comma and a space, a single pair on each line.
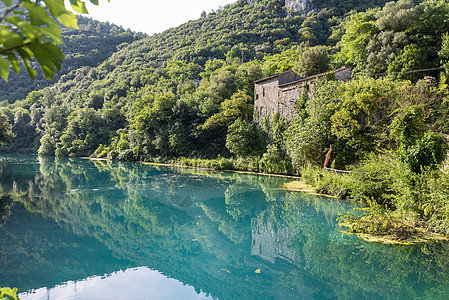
89, 46
164, 67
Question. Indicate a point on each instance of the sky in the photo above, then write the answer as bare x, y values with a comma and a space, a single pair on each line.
151, 16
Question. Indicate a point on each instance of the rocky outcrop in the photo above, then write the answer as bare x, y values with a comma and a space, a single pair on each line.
302, 6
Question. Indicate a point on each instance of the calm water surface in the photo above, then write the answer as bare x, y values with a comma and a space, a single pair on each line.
78, 229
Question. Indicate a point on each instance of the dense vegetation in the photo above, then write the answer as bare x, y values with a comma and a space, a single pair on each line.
155, 78
187, 94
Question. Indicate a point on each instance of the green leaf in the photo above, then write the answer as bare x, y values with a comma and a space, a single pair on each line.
9, 39
68, 19
28, 29
56, 7
95, 2
19, 12
7, 2
12, 58
26, 56
79, 6
54, 32
56, 55
49, 57
38, 15
4, 68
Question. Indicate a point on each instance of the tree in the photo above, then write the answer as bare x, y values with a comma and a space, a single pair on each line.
429, 151
243, 139
418, 148
400, 37
5, 130
239, 106
308, 139
313, 61
28, 31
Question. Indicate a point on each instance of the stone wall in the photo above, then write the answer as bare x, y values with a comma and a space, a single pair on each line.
267, 97
289, 96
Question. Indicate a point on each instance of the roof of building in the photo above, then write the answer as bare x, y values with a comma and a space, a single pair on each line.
302, 79
315, 76
272, 77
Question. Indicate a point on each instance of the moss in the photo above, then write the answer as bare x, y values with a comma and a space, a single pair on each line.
299, 186
393, 233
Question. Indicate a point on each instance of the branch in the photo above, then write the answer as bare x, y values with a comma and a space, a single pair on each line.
17, 47
8, 11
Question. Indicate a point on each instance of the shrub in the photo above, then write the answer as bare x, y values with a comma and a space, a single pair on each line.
326, 183
8, 293
275, 161
112, 154
250, 164
102, 151
225, 164
126, 155
430, 151
373, 179
243, 139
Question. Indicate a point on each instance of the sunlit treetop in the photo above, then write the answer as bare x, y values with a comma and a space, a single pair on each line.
29, 29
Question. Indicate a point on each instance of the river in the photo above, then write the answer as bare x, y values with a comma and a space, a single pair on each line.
81, 229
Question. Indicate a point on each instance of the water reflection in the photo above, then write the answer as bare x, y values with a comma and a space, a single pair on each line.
67, 220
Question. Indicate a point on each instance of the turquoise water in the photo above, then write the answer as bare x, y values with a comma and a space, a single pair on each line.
78, 229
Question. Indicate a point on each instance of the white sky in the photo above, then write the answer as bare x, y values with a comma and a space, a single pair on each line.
151, 16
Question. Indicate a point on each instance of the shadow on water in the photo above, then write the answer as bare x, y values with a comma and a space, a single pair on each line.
229, 236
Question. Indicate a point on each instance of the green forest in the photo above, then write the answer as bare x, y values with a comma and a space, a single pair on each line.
186, 96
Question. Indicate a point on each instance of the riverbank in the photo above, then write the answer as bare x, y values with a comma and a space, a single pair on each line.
298, 185
397, 234
400, 206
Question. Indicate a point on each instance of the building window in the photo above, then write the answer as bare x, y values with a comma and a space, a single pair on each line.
261, 111
257, 96
263, 91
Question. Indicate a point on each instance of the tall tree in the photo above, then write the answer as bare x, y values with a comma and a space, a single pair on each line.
5, 130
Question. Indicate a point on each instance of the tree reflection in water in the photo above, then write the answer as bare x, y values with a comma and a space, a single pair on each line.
209, 230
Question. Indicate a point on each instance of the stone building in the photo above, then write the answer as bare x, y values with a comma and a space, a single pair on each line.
279, 93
